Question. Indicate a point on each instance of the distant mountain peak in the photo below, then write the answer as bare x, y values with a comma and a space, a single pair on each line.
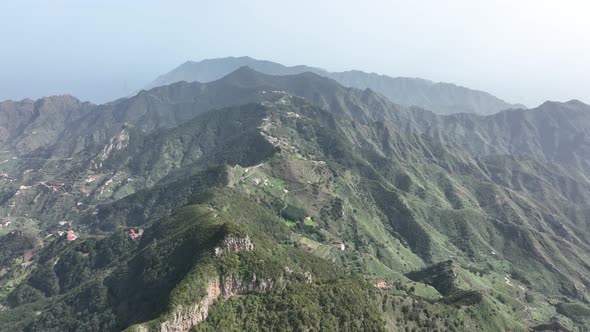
244, 76
442, 98
244, 71
57, 99
577, 102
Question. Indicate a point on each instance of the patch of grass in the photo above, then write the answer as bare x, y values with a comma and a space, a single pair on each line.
309, 222
289, 223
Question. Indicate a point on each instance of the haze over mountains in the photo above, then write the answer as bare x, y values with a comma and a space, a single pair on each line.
323, 206
442, 98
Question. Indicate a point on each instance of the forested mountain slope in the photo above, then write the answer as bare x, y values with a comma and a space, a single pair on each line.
323, 207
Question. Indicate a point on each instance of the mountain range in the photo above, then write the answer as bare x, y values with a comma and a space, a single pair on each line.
442, 98
250, 201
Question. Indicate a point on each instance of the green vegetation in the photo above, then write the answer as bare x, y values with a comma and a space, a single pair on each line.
441, 276
329, 305
322, 207
13, 245
578, 312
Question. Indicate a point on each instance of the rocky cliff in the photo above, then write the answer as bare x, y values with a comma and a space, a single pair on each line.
234, 244
183, 319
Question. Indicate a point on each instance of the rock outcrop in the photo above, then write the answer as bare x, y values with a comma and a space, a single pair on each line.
183, 320
234, 244
117, 142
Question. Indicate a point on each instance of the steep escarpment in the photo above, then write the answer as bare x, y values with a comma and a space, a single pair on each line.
185, 319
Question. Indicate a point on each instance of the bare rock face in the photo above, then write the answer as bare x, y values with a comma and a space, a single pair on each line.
183, 320
117, 142
301, 276
234, 244
232, 286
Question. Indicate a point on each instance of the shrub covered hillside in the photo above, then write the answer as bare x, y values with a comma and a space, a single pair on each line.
291, 203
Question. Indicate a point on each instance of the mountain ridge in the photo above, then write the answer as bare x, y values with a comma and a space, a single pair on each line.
292, 191
443, 98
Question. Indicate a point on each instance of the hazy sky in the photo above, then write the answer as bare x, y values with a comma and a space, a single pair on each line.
523, 51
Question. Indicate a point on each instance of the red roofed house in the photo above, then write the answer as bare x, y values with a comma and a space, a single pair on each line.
381, 284
71, 236
133, 235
